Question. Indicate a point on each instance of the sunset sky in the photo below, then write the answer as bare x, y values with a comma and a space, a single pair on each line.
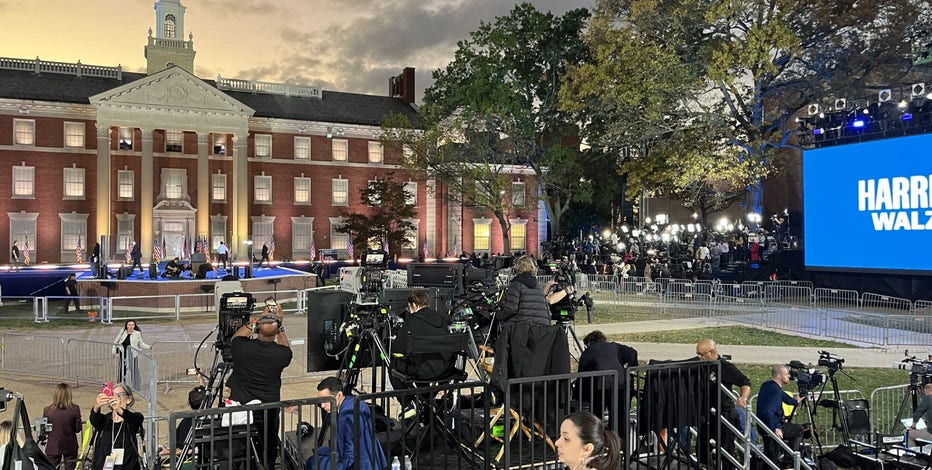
348, 45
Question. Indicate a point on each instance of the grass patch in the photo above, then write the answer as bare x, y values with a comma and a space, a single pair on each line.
864, 379
735, 335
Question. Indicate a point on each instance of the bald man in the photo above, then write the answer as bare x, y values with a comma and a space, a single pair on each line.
707, 350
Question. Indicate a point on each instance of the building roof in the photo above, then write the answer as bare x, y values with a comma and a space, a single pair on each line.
336, 107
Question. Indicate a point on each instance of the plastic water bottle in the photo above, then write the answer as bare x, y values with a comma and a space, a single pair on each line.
396, 465
407, 462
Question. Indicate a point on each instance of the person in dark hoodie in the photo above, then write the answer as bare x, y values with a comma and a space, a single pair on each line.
524, 299
366, 450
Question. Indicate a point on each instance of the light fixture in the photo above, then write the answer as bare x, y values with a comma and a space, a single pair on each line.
23, 110
903, 104
918, 89
841, 104
884, 95
329, 132
812, 109
907, 117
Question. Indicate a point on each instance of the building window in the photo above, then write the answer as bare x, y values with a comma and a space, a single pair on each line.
174, 141
74, 183
340, 189
125, 234
170, 26
411, 236
302, 190
518, 197
481, 235
24, 132
174, 183
262, 233
375, 152
375, 199
74, 134
518, 234
218, 230
262, 189
340, 150
302, 148
125, 185
24, 181
73, 231
218, 187
410, 189
338, 241
218, 144
263, 146
302, 233
126, 138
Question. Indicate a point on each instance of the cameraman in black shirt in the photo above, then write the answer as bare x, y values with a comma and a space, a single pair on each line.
706, 350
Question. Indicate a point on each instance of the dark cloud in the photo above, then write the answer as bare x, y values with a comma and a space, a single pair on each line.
228, 8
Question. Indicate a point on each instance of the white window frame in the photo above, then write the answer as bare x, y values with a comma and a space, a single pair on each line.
174, 141
338, 241
126, 185
374, 199
73, 229
339, 150
302, 190
476, 225
24, 182
74, 135
218, 144
262, 189
73, 183
218, 187
218, 230
125, 138
410, 189
339, 188
302, 236
376, 152
23, 228
263, 231
262, 146
302, 148
24, 132
523, 238
169, 190
518, 194
126, 227
412, 235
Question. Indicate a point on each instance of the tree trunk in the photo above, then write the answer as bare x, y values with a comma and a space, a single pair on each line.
506, 232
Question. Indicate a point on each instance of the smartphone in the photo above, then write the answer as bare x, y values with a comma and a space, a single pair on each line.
191, 371
107, 389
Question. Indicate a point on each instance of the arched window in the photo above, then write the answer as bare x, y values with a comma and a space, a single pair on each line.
169, 26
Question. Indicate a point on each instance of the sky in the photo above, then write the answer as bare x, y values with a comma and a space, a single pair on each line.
347, 45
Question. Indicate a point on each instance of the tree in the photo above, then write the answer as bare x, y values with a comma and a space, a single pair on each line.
385, 218
732, 75
505, 80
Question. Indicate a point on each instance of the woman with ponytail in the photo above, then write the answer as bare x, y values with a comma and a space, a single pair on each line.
584, 443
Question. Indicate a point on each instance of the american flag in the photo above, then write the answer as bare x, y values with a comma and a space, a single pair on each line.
271, 249
26, 252
349, 247
425, 248
385, 244
186, 249
312, 252
198, 245
164, 248
205, 247
156, 251
79, 252
129, 249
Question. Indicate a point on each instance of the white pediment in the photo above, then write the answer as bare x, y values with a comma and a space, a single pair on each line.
174, 90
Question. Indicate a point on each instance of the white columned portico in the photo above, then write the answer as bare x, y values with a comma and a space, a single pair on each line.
239, 195
103, 182
203, 184
146, 194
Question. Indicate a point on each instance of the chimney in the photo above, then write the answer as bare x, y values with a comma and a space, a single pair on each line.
402, 86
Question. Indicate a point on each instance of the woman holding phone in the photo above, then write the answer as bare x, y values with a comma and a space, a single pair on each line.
117, 428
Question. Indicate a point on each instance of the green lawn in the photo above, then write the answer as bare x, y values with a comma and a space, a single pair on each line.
739, 335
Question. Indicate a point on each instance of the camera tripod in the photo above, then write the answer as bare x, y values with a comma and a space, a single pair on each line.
913, 395
363, 334
569, 330
804, 395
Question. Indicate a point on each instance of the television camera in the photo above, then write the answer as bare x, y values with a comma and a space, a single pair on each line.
807, 378
833, 362
476, 305
235, 309
565, 310
366, 280
920, 371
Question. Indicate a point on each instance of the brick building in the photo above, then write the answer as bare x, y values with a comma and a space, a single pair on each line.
90, 153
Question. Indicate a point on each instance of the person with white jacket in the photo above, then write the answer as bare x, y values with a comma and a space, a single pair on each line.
129, 336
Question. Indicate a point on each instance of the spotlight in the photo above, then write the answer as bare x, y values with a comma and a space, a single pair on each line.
812, 109
903, 104
884, 95
841, 104
918, 89
858, 123
907, 117
818, 131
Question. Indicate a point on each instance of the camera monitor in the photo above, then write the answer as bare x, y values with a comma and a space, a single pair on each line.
375, 259
446, 276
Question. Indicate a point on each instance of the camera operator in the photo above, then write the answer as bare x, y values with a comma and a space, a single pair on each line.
601, 354
707, 350
770, 400
260, 353
923, 411
524, 300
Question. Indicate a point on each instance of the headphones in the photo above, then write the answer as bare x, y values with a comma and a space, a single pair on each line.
268, 316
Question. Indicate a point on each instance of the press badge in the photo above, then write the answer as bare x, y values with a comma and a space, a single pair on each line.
115, 458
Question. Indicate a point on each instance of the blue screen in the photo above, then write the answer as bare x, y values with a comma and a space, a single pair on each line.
867, 207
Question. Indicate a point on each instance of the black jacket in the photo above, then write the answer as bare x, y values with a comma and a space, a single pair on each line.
524, 301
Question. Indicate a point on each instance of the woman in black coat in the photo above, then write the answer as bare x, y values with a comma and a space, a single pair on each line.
524, 299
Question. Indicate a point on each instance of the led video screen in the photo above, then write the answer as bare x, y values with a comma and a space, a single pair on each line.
868, 206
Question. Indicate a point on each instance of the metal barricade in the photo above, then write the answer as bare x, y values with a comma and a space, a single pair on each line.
91, 361
143, 375
835, 298
885, 304
856, 327
794, 318
33, 354
687, 305
908, 330
827, 419
789, 294
889, 405
920, 307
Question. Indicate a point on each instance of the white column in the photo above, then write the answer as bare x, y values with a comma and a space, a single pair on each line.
239, 196
146, 195
103, 183
203, 184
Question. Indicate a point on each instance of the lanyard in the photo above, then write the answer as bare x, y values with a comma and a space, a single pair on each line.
114, 434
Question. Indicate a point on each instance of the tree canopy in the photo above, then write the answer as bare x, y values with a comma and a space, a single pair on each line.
385, 218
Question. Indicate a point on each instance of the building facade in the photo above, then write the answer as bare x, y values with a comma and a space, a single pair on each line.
165, 158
